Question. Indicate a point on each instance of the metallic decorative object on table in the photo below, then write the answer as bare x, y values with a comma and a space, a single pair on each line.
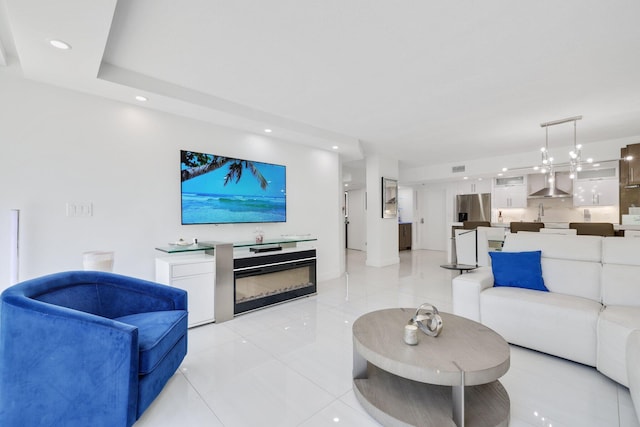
427, 319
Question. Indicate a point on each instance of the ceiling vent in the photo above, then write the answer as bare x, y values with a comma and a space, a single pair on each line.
457, 169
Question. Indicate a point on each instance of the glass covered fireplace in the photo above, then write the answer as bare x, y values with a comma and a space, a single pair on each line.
265, 279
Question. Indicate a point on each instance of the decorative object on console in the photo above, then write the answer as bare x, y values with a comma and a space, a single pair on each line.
182, 242
214, 190
427, 319
518, 270
259, 235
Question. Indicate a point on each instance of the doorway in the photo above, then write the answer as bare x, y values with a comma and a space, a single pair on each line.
355, 221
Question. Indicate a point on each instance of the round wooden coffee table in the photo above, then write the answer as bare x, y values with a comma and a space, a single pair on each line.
449, 380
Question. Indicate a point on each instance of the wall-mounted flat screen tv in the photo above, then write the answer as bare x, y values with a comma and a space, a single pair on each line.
223, 190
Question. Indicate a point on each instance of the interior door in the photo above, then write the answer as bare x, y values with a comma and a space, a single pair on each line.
357, 228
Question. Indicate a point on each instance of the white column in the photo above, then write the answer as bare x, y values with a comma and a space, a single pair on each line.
382, 233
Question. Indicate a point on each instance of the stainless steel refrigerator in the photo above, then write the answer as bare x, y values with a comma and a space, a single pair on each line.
473, 207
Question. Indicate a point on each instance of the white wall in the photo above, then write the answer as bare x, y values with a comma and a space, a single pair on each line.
382, 233
405, 204
59, 146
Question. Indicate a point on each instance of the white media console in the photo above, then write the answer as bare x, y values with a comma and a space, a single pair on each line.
226, 279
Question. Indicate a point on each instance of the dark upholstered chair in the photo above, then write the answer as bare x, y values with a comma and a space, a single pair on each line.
514, 227
472, 225
593, 228
87, 348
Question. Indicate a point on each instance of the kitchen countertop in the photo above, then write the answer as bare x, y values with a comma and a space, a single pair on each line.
557, 225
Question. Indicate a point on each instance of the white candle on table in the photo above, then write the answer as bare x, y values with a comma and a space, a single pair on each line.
411, 334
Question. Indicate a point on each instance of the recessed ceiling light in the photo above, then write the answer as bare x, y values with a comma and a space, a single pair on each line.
59, 44
141, 98
504, 169
466, 177
268, 130
335, 147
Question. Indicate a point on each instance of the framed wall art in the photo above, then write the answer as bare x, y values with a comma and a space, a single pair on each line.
389, 198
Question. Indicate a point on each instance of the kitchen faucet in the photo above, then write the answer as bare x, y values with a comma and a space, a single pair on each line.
540, 212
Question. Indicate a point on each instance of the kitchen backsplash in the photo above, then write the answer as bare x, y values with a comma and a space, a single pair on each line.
557, 210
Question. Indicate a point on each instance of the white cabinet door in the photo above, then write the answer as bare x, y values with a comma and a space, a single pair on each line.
501, 197
475, 186
196, 275
519, 196
200, 292
510, 196
602, 192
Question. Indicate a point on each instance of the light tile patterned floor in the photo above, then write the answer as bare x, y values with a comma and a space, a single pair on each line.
290, 365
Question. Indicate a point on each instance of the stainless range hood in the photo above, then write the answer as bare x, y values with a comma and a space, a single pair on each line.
549, 191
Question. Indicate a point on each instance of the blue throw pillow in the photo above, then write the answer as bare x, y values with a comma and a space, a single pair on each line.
518, 270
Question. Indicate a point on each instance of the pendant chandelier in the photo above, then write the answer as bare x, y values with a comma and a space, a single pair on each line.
575, 155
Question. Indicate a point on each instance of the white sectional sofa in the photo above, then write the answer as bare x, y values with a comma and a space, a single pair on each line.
592, 306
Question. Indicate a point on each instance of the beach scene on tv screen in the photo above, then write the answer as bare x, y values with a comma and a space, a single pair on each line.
217, 189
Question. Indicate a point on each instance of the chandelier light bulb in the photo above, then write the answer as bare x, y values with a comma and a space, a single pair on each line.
575, 154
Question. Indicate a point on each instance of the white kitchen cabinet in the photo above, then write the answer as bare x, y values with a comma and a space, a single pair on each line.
510, 193
599, 192
475, 186
196, 275
597, 187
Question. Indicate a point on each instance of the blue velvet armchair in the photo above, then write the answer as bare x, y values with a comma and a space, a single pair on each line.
87, 348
